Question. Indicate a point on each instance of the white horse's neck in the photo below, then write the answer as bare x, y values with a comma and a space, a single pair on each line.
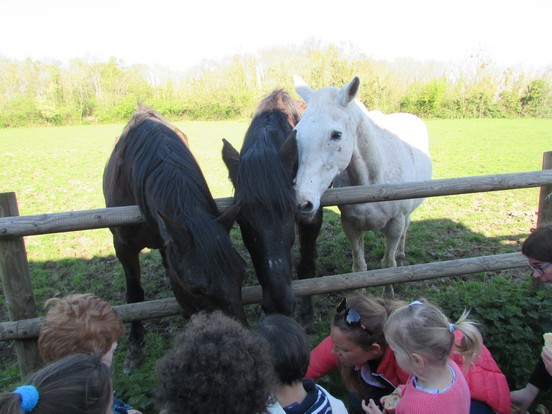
365, 167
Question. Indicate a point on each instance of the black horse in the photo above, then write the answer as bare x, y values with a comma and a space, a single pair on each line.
151, 166
262, 175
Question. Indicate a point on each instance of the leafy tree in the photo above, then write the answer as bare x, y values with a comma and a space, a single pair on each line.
33, 92
535, 99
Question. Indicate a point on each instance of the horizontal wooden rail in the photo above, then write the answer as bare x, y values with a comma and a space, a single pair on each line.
29, 328
436, 188
18, 226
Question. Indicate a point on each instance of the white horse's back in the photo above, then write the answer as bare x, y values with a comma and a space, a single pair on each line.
405, 126
408, 141
340, 141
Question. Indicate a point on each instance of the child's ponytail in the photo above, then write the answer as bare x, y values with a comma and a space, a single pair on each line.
469, 347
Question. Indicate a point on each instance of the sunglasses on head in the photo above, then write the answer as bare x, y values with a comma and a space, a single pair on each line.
351, 315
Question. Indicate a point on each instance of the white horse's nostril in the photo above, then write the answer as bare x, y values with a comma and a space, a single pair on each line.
306, 208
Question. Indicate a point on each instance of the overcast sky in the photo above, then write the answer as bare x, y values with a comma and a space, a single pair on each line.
181, 33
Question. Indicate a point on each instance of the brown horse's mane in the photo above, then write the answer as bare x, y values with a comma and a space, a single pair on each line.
142, 113
145, 112
152, 163
280, 100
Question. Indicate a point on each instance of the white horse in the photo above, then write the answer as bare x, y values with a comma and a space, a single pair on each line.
340, 142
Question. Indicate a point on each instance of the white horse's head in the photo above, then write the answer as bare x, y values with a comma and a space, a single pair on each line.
325, 141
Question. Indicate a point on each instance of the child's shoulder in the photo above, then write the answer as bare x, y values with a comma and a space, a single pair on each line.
336, 404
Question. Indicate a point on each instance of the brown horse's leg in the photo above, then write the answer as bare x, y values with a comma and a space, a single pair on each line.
306, 268
129, 258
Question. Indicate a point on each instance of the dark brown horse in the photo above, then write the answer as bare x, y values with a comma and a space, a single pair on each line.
262, 174
151, 166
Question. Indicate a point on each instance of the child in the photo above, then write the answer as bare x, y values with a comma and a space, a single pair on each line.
216, 366
422, 339
538, 250
358, 348
289, 352
76, 384
81, 323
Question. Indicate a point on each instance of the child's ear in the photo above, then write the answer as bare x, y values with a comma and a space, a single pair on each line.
419, 360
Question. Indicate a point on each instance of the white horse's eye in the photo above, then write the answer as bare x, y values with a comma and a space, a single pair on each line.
336, 135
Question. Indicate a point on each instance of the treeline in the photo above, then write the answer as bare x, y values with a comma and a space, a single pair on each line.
50, 93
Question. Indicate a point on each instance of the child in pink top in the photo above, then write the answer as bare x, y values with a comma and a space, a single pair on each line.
422, 339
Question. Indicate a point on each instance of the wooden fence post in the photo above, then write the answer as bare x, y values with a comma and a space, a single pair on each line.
16, 283
544, 216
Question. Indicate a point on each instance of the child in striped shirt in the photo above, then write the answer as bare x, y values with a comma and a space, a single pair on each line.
289, 348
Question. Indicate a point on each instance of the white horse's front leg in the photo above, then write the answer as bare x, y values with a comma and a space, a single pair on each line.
394, 232
356, 241
401, 255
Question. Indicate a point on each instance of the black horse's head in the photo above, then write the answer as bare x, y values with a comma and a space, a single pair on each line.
205, 271
153, 167
262, 175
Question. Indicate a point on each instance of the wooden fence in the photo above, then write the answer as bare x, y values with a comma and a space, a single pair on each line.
24, 324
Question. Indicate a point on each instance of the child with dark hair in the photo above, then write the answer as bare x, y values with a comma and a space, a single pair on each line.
537, 248
81, 323
290, 355
76, 384
215, 366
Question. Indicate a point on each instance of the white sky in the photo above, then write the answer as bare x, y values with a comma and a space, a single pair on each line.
181, 33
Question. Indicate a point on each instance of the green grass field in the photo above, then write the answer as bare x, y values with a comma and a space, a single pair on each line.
60, 169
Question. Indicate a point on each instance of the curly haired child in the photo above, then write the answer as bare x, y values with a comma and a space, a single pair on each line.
81, 323
215, 366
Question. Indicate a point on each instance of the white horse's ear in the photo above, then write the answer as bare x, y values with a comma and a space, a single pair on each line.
302, 88
348, 92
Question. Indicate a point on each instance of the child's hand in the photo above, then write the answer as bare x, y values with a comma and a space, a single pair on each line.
389, 402
371, 407
547, 359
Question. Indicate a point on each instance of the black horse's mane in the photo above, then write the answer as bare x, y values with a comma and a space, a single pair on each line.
155, 162
263, 180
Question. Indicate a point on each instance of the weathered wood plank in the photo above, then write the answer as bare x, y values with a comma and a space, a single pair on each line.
18, 290
118, 216
337, 283
545, 197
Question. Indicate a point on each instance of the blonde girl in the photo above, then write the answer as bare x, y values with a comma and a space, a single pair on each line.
423, 339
